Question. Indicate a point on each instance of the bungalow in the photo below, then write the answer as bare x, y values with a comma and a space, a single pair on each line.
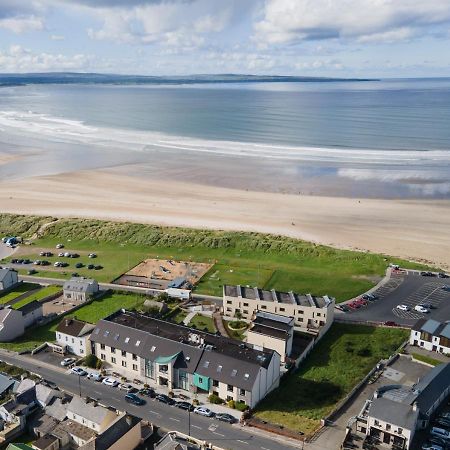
73, 335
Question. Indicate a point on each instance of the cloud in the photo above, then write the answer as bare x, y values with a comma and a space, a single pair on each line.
20, 59
121, 3
21, 24
57, 37
293, 21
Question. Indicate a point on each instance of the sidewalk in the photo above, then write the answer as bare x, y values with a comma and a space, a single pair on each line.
219, 324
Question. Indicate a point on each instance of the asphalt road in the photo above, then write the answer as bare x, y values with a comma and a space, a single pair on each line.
167, 417
5, 251
411, 290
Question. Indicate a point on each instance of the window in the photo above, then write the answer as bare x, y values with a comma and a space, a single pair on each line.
81, 351
124, 354
245, 311
319, 315
229, 302
116, 337
263, 307
300, 311
206, 364
102, 356
59, 335
400, 431
215, 383
233, 372
124, 364
282, 309
241, 391
134, 357
153, 348
229, 309
106, 333
67, 339
230, 388
229, 397
246, 304
113, 350
127, 339
300, 319
388, 426
113, 360
135, 367
219, 369
102, 346
81, 342
246, 376
138, 343
377, 423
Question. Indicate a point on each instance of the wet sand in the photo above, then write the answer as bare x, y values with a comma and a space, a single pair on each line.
413, 229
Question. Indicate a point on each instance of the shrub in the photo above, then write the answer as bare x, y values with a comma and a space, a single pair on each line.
92, 361
364, 352
195, 402
215, 399
171, 394
99, 364
241, 406
231, 404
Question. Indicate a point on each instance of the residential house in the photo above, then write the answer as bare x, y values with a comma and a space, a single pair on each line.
273, 331
31, 313
171, 441
312, 314
73, 336
12, 324
80, 289
166, 354
8, 278
47, 442
431, 335
7, 385
396, 413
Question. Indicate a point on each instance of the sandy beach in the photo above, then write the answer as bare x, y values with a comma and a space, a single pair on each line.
413, 229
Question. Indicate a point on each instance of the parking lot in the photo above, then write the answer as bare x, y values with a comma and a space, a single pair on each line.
408, 288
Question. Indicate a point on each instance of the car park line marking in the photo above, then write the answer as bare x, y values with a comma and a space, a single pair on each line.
219, 434
195, 426
242, 442
264, 448
176, 420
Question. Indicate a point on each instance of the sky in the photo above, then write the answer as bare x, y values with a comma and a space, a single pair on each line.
339, 38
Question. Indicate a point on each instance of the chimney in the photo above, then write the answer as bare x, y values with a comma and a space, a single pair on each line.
128, 420
414, 406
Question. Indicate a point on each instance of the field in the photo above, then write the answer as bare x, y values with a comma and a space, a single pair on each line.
21, 289
341, 359
240, 257
202, 322
39, 295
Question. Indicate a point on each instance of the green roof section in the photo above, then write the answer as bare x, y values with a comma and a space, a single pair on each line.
166, 359
19, 447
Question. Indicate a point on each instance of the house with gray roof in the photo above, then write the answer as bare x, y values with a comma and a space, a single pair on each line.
7, 384
8, 278
431, 335
73, 336
397, 412
12, 324
90, 414
162, 353
80, 289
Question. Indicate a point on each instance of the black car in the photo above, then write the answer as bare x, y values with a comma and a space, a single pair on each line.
185, 405
32, 272
443, 275
163, 398
27, 261
90, 266
14, 261
148, 392
79, 265
98, 267
134, 399
224, 417
45, 263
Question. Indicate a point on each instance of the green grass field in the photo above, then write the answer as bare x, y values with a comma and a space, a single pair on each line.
202, 323
426, 359
240, 257
39, 295
21, 289
340, 360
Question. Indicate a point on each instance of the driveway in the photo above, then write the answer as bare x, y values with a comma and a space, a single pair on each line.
6, 251
409, 288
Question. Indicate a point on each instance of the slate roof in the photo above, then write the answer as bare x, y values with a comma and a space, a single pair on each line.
30, 307
74, 327
6, 383
90, 411
151, 338
4, 272
78, 284
19, 447
433, 327
74, 428
44, 442
395, 413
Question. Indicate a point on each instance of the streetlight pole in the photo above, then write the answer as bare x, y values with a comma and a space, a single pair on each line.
79, 384
189, 422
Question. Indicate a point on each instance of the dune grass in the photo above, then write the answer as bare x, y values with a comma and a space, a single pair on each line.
340, 360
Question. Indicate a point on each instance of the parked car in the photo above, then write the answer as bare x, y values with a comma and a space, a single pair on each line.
110, 381
344, 308
92, 255
38, 262
203, 411
403, 307
391, 323
426, 305
134, 399
32, 272
127, 387
90, 266
67, 362
148, 392
445, 415
224, 417
370, 297
185, 405
440, 433
431, 446
438, 441
78, 371
443, 275
421, 309
45, 263
443, 422
98, 267
78, 265
61, 255
59, 245
163, 398
94, 376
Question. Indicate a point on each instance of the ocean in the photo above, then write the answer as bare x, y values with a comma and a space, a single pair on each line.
386, 138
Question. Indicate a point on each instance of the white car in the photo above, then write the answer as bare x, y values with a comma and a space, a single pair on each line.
110, 381
126, 387
403, 307
59, 245
67, 361
421, 309
203, 411
78, 371
92, 255
94, 376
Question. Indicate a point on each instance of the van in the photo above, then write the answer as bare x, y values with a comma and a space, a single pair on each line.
440, 432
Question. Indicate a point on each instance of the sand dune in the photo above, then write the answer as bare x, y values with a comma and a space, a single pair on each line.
417, 230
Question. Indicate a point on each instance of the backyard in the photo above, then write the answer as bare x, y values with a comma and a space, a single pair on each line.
38, 295
19, 290
239, 258
339, 361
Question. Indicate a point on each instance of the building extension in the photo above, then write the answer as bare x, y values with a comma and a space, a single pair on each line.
431, 335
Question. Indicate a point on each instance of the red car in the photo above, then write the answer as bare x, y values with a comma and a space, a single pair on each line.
390, 323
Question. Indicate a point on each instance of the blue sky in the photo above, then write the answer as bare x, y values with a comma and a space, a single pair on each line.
366, 38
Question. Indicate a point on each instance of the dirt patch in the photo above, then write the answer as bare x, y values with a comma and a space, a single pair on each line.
59, 306
169, 270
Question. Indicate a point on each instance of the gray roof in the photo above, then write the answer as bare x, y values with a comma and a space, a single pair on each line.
74, 327
430, 326
172, 442
90, 411
43, 423
395, 413
4, 272
446, 331
6, 383
151, 338
57, 409
289, 298
44, 442
30, 307
433, 327
78, 284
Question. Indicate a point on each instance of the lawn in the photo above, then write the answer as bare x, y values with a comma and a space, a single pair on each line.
244, 258
39, 295
177, 315
426, 359
22, 288
340, 360
202, 322
235, 334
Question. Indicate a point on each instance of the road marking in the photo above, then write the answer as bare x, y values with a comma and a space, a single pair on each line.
264, 448
195, 426
154, 412
176, 420
242, 442
219, 434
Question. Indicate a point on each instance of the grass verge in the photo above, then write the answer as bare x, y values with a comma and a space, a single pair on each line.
38, 296
426, 359
21, 289
339, 361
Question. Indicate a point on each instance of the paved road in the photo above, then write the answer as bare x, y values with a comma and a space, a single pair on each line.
5, 251
410, 289
221, 434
